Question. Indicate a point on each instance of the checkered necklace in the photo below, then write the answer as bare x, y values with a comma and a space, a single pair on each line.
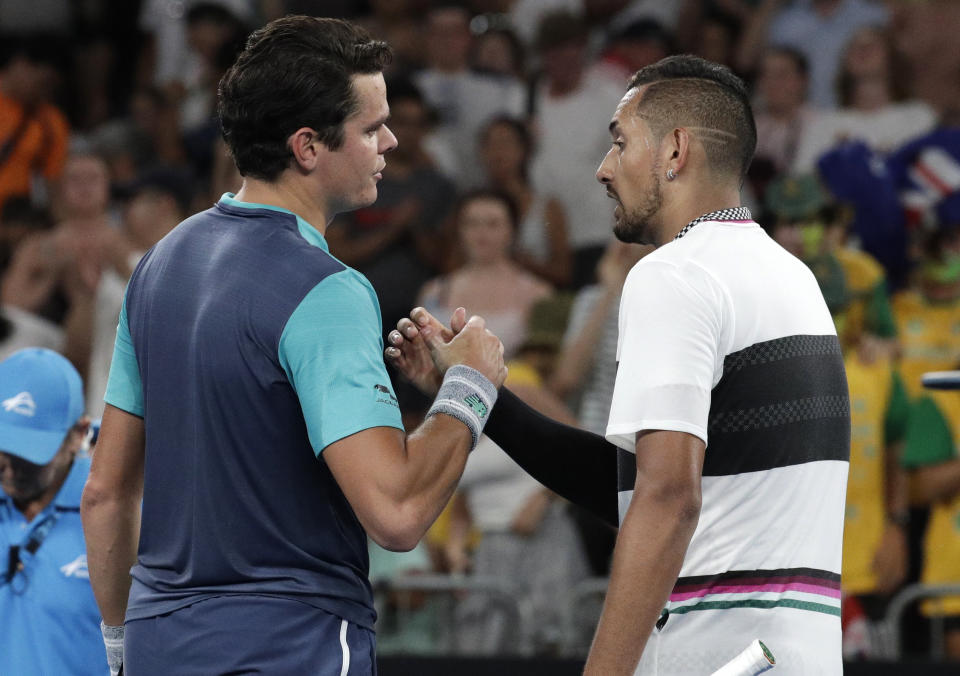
734, 214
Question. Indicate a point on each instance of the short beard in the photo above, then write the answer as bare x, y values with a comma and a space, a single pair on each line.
636, 226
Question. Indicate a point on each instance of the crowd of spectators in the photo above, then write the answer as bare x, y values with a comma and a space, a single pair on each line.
109, 137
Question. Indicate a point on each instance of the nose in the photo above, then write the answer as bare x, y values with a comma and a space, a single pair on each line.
604, 171
387, 140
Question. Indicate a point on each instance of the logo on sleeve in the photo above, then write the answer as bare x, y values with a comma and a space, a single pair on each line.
385, 396
22, 403
477, 406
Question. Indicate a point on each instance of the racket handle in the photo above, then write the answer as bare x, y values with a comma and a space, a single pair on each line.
755, 659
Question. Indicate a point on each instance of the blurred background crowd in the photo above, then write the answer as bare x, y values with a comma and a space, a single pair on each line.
109, 137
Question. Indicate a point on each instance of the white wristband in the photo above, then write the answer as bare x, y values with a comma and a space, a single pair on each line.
467, 395
113, 643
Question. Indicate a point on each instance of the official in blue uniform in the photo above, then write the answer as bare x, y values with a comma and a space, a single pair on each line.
49, 617
248, 404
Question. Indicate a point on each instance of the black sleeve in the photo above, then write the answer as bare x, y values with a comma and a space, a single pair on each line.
576, 464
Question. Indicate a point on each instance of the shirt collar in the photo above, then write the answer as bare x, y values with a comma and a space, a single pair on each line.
307, 231
731, 214
69, 494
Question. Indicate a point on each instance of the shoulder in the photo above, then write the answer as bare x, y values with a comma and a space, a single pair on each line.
346, 288
664, 279
531, 286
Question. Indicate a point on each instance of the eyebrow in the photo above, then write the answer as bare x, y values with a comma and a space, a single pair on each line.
614, 127
380, 121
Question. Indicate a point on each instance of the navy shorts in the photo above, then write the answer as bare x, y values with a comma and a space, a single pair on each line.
244, 634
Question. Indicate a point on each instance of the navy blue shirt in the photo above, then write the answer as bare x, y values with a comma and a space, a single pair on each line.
247, 349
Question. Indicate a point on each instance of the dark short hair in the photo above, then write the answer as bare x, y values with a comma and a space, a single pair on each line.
294, 72
478, 194
560, 28
518, 127
799, 60
49, 49
690, 91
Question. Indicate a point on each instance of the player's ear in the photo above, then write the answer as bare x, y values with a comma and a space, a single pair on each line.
307, 148
676, 150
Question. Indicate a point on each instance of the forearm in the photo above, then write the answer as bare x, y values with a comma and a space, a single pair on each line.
938, 482
436, 453
112, 531
647, 559
579, 356
897, 487
578, 465
78, 332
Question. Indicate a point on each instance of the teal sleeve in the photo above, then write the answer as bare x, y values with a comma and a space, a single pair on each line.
124, 389
332, 352
929, 440
898, 411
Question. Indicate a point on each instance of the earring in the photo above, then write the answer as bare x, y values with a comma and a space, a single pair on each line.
671, 174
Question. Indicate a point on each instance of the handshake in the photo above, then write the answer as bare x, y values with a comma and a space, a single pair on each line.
422, 349
461, 365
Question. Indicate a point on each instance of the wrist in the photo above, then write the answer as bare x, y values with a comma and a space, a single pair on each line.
900, 517
467, 395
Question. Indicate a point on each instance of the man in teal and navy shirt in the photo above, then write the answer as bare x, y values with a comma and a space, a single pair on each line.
249, 402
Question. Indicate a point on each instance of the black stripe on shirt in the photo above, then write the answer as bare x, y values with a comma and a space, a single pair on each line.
779, 403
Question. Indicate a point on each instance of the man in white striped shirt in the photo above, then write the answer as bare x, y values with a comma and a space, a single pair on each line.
724, 337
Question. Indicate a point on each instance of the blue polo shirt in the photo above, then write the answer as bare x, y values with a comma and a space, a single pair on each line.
248, 348
49, 621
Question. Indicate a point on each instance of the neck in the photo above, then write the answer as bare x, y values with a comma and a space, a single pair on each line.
496, 266
31, 508
690, 202
287, 196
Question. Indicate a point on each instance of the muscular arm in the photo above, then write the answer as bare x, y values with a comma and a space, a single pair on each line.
577, 465
110, 510
398, 486
651, 544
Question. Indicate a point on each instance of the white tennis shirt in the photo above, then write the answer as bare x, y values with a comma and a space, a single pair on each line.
726, 336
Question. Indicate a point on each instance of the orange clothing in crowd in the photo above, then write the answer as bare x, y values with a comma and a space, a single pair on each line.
41, 148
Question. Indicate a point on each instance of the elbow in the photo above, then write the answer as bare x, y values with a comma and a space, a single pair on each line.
679, 503
94, 496
399, 531
98, 496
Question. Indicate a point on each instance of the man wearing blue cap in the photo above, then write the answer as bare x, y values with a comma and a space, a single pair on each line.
50, 620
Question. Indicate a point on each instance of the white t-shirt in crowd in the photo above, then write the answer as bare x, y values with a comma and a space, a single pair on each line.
29, 330
495, 487
572, 139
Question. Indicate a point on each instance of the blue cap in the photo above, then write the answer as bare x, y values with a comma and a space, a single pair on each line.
41, 398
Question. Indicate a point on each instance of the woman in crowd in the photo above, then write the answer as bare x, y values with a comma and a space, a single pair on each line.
541, 241
489, 282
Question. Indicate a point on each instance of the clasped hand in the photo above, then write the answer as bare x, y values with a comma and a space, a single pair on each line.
422, 348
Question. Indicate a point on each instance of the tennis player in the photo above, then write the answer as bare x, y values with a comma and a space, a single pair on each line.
248, 403
724, 339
